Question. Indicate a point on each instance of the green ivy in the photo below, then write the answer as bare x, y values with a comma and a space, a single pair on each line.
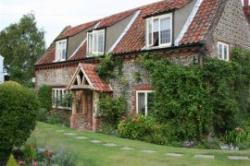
109, 67
200, 101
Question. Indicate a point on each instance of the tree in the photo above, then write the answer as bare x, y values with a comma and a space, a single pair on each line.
18, 106
21, 44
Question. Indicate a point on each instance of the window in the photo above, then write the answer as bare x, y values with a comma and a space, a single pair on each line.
61, 98
144, 102
61, 47
223, 51
96, 43
159, 31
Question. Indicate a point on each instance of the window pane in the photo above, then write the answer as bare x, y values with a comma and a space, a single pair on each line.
150, 102
149, 32
141, 103
165, 30
156, 32
90, 43
225, 53
101, 42
220, 51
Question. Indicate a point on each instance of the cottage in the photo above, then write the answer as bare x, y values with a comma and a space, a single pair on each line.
184, 31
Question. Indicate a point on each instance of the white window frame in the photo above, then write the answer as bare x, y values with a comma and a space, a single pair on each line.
151, 20
222, 54
61, 46
146, 92
56, 91
94, 52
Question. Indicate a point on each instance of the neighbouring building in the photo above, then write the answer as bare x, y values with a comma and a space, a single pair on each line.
185, 31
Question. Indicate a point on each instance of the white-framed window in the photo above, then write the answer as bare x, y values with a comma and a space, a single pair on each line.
61, 98
144, 102
96, 42
223, 51
61, 50
159, 31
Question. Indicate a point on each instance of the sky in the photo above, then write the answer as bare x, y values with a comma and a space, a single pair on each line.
53, 15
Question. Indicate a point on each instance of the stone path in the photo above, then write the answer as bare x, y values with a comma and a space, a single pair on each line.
174, 154
170, 154
203, 156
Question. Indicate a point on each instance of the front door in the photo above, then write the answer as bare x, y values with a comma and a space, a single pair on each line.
88, 108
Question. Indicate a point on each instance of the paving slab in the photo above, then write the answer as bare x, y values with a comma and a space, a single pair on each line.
148, 151
127, 148
174, 154
69, 134
110, 145
95, 141
204, 156
238, 158
81, 137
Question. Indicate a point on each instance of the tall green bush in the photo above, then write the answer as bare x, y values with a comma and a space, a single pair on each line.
18, 107
112, 109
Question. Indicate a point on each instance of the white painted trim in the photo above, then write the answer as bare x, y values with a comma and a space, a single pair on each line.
95, 32
151, 19
87, 78
146, 101
125, 31
78, 48
188, 22
54, 95
224, 45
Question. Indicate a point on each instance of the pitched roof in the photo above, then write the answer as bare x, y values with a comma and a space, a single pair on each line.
201, 22
90, 73
134, 39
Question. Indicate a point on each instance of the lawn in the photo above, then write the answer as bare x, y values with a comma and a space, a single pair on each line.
91, 154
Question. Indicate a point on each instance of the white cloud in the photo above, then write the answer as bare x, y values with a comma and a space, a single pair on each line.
53, 15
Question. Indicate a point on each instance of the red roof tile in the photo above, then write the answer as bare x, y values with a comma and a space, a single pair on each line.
81, 53
96, 81
74, 30
201, 22
134, 39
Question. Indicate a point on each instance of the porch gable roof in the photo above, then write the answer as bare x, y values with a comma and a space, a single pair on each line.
92, 78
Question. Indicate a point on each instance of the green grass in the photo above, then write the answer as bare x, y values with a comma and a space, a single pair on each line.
90, 154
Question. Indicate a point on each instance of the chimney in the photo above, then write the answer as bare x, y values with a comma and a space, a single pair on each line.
246, 8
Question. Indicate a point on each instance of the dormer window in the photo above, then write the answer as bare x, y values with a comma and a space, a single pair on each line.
61, 50
96, 41
159, 31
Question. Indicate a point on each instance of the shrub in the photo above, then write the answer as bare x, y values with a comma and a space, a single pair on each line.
236, 136
145, 129
111, 109
18, 107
